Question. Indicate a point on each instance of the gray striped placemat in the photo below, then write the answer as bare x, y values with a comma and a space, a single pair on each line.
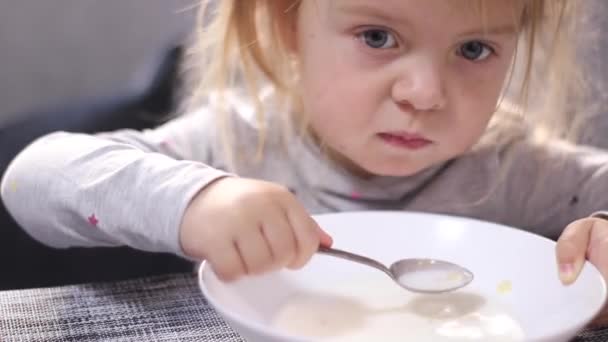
162, 308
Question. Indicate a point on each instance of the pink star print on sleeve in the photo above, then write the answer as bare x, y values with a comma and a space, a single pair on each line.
93, 220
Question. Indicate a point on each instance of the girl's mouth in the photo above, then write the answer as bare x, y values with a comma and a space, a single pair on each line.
410, 141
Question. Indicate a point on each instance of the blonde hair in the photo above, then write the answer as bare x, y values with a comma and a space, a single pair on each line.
247, 42
548, 72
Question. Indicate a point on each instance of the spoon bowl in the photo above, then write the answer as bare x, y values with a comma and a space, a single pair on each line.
430, 276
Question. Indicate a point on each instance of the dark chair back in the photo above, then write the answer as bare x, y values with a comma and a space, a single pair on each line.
25, 263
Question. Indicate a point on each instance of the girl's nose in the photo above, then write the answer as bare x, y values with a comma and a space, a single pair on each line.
420, 87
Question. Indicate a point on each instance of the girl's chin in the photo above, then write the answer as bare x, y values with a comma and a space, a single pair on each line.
374, 167
394, 171
388, 169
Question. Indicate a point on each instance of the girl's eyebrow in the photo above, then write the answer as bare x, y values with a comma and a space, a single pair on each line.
502, 30
362, 9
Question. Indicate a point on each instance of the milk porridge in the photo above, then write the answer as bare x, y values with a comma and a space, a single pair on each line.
379, 310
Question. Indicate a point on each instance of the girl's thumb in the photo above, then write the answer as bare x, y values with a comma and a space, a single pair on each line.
570, 251
326, 239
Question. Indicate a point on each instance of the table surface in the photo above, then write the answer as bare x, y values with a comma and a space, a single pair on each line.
161, 308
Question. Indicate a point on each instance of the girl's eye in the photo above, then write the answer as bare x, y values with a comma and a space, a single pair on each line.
475, 50
379, 39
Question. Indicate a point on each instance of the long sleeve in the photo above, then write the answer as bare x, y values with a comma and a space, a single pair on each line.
111, 189
551, 186
540, 188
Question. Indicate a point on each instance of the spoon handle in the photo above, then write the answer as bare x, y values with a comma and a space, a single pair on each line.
356, 258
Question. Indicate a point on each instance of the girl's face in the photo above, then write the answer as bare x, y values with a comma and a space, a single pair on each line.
394, 86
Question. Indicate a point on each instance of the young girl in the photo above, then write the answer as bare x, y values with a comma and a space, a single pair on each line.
323, 106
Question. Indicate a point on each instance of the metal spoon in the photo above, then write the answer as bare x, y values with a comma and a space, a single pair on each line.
417, 275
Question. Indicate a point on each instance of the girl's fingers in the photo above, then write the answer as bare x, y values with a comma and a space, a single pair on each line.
326, 239
254, 251
571, 249
597, 251
281, 240
226, 261
307, 235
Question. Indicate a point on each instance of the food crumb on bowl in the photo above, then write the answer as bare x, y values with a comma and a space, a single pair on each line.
504, 287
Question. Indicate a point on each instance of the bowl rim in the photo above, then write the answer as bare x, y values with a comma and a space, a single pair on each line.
274, 333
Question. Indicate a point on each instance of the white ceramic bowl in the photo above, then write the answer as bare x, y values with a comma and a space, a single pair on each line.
331, 299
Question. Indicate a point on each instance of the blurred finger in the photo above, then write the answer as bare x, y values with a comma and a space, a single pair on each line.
307, 235
281, 240
326, 239
255, 251
571, 249
226, 262
597, 252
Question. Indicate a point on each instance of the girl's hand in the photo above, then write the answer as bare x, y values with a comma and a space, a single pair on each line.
245, 227
585, 239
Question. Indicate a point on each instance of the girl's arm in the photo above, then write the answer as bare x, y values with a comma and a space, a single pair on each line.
112, 189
